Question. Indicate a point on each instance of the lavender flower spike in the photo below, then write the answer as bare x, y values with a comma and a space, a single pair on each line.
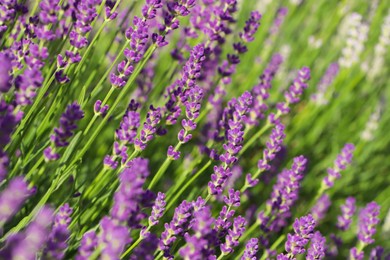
330, 74
200, 245
35, 236
158, 209
113, 238
348, 210
321, 207
5, 69
177, 227
295, 245
317, 247
295, 91
87, 246
341, 162
376, 253
251, 26
368, 219
12, 198
233, 236
251, 249
273, 147
59, 235
61, 135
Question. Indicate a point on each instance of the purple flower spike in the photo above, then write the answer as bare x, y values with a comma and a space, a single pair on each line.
12, 198
251, 249
35, 236
172, 153
285, 193
321, 207
295, 91
130, 194
59, 235
149, 10
330, 74
137, 37
158, 209
149, 129
354, 254
304, 226
279, 19
233, 200
5, 69
348, 210
177, 227
260, 92
47, 17
234, 116
64, 132
113, 238
376, 253
127, 130
274, 145
251, 26
87, 246
341, 163
250, 182
368, 219
174, 9
200, 245
99, 109
295, 245
317, 247
233, 235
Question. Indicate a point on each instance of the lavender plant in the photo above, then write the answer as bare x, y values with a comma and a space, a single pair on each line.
183, 129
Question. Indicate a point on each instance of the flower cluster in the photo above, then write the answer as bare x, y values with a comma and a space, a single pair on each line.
293, 94
233, 118
85, 12
125, 135
303, 232
348, 210
340, 164
64, 132
320, 97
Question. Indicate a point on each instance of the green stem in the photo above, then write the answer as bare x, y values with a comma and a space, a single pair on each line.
250, 231
36, 165
96, 91
134, 245
162, 169
255, 137
220, 256
274, 246
185, 186
95, 184
117, 100
89, 48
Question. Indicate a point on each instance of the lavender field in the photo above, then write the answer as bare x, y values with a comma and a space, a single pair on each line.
194, 129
